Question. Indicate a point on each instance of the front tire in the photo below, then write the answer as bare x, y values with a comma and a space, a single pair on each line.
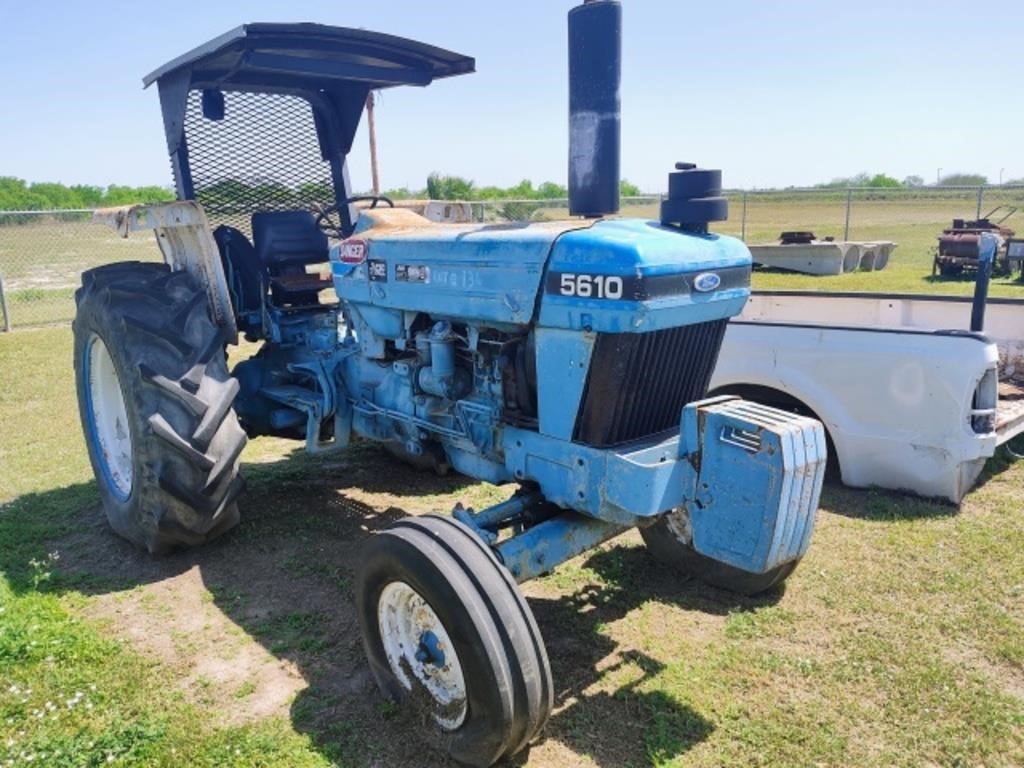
670, 542
155, 399
443, 622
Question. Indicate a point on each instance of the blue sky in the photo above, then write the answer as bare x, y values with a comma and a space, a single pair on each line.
773, 93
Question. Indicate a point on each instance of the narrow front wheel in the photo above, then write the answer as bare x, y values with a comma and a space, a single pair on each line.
445, 626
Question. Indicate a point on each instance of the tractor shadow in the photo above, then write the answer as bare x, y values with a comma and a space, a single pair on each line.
623, 723
284, 578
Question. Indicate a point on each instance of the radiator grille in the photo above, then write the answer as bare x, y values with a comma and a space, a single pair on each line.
638, 383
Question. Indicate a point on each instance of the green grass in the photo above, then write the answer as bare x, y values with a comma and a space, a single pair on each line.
914, 224
898, 642
73, 696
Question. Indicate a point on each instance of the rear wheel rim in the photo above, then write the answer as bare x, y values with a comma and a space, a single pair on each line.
107, 413
416, 643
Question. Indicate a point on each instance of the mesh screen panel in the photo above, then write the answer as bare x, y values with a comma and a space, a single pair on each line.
262, 156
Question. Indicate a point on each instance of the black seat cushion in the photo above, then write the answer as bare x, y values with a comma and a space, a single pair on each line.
288, 239
246, 274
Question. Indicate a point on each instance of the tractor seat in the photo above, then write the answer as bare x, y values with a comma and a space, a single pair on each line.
286, 242
245, 273
300, 283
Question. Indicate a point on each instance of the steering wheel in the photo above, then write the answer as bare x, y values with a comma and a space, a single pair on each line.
328, 218
374, 199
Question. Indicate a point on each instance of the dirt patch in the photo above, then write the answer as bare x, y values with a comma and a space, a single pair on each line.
1004, 677
244, 625
262, 623
205, 654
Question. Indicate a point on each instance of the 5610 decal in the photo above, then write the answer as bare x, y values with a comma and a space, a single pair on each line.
590, 286
580, 285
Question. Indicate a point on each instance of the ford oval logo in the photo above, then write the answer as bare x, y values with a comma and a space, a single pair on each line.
706, 281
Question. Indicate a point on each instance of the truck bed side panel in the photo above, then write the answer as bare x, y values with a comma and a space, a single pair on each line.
895, 402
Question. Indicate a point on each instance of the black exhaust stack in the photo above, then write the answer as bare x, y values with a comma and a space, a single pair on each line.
595, 71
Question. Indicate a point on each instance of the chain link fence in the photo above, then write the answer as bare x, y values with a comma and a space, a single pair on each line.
845, 214
42, 257
43, 253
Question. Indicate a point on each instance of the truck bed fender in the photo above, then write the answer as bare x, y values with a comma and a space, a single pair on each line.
796, 393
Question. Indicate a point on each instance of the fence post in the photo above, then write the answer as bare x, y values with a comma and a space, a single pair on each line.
981, 194
3, 306
849, 202
743, 221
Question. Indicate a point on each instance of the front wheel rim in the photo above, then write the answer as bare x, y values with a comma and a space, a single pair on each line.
107, 417
415, 641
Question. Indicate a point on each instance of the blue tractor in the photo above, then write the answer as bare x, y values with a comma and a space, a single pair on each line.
568, 359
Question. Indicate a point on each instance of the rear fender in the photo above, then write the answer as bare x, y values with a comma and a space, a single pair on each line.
186, 242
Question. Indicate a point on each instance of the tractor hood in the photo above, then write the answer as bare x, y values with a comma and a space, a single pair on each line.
608, 275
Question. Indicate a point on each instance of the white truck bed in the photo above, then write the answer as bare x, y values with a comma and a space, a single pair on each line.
908, 405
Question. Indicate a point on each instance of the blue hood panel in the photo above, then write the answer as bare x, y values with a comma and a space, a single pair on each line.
496, 273
489, 273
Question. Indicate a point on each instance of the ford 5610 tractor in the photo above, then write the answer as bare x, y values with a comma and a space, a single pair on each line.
569, 359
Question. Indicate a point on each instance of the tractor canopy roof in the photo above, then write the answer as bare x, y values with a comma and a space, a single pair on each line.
265, 70
257, 57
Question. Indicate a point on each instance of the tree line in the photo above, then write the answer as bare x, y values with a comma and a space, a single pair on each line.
884, 181
444, 187
19, 195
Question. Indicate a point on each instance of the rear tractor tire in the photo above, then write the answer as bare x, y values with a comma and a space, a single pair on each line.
446, 628
155, 399
669, 540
